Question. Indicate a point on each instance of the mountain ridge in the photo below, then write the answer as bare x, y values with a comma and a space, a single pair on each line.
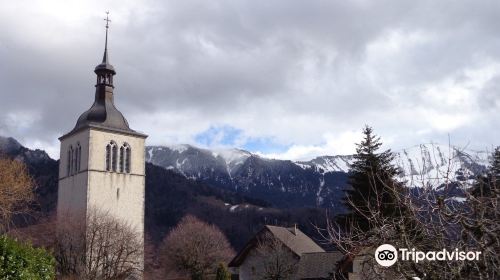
318, 182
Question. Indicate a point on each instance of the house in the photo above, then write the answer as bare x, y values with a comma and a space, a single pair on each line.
289, 250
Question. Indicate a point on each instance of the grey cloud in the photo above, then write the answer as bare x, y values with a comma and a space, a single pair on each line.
237, 61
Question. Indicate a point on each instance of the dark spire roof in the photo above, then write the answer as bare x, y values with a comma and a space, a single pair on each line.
103, 114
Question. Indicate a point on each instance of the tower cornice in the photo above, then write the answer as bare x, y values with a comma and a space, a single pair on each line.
104, 129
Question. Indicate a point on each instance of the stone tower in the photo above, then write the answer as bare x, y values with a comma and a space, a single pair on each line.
102, 160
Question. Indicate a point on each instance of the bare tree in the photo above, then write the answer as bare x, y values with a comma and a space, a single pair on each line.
16, 190
428, 220
195, 248
273, 260
100, 247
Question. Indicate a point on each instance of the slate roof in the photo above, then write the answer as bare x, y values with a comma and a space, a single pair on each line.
104, 114
293, 238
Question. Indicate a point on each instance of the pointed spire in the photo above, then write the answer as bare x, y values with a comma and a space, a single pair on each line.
105, 71
105, 56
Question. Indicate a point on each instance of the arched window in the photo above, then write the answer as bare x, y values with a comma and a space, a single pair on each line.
71, 155
68, 162
111, 156
114, 156
79, 162
125, 158
108, 157
128, 156
76, 158
122, 158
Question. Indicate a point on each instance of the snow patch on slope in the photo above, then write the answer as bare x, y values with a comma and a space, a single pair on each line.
179, 148
319, 198
326, 164
232, 156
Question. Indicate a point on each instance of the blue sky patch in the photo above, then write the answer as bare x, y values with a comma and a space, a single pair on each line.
219, 136
229, 136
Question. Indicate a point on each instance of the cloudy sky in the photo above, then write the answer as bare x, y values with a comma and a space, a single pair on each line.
288, 79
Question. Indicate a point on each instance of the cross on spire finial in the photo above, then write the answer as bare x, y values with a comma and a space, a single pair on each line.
107, 27
105, 57
107, 19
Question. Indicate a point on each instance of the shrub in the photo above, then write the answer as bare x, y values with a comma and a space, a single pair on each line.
16, 191
222, 273
195, 247
20, 261
98, 247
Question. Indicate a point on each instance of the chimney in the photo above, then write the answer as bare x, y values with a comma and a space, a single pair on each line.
295, 229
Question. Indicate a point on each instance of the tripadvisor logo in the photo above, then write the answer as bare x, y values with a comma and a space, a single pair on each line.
387, 255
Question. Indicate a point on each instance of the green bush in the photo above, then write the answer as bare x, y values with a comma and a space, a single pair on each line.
222, 272
20, 261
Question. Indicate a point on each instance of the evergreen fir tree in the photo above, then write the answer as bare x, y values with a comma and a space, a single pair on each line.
372, 181
495, 164
222, 273
486, 182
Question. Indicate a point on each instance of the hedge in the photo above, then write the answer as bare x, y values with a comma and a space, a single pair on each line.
21, 261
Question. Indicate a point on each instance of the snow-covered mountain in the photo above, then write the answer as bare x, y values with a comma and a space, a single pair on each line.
281, 182
421, 164
318, 182
326, 164
194, 162
433, 164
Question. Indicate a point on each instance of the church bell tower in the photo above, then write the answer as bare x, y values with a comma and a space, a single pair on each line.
102, 159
